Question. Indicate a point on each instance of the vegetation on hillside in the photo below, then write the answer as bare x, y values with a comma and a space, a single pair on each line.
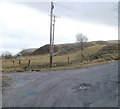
44, 50
94, 53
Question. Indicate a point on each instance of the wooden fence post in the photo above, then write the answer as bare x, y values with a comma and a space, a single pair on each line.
29, 62
19, 64
13, 66
68, 59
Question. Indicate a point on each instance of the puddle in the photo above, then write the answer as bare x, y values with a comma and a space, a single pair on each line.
84, 86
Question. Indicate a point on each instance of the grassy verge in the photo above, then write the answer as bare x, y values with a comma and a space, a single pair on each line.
58, 65
75, 65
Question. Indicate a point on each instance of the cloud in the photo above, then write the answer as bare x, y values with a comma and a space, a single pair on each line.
97, 12
25, 27
21, 26
92, 30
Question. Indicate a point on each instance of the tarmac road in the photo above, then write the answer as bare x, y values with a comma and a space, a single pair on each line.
87, 87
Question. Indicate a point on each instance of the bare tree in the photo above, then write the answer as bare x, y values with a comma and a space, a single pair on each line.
82, 41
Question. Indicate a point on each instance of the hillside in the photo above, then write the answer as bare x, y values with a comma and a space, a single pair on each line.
26, 52
114, 41
95, 52
61, 49
44, 50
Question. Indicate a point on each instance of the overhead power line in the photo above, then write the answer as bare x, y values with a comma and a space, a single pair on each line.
78, 12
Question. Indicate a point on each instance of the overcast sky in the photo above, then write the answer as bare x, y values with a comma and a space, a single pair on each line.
26, 24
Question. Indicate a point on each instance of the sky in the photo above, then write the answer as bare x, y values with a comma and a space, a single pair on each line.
27, 24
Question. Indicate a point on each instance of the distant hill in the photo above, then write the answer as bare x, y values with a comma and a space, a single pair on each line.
58, 48
100, 42
61, 49
114, 41
26, 52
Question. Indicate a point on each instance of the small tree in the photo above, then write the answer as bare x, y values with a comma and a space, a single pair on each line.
82, 41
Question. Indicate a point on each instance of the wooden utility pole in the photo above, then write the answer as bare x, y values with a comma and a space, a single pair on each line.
51, 34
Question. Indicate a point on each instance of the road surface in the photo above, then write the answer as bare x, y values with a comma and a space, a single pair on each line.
87, 87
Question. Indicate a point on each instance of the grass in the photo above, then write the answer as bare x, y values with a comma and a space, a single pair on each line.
60, 61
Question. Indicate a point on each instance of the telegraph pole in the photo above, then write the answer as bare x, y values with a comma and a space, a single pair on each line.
51, 34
